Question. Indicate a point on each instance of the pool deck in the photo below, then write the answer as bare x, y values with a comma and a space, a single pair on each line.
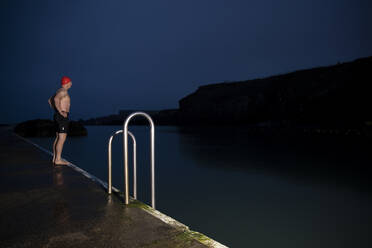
46, 206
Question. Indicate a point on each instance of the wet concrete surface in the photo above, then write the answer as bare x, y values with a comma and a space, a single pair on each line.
46, 206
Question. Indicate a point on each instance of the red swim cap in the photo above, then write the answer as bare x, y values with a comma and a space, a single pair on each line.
65, 80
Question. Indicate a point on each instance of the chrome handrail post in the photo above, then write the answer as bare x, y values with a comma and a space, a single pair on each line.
125, 138
152, 162
126, 186
134, 165
109, 186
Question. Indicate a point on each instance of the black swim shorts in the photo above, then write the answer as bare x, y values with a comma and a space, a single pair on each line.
61, 122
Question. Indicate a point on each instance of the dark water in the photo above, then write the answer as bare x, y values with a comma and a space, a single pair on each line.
243, 190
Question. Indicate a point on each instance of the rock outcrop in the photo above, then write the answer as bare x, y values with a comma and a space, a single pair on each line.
46, 128
339, 95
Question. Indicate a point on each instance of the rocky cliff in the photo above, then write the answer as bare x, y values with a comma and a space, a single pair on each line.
338, 95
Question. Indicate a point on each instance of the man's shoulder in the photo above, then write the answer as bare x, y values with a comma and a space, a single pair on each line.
61, 92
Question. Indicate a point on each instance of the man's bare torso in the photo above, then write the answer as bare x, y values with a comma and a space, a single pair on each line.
62, 101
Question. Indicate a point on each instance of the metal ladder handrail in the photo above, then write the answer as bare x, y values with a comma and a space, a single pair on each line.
109, 187
152, 144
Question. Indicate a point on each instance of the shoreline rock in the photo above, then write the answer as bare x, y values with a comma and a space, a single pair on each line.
46, 128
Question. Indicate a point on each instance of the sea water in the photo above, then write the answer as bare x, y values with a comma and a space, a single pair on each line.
244, 190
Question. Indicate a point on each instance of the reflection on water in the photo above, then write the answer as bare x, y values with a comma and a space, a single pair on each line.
334, 161
245, 190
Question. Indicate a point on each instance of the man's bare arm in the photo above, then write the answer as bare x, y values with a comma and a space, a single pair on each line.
50, 102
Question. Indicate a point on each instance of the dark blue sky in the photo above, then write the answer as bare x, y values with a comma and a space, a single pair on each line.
149, 54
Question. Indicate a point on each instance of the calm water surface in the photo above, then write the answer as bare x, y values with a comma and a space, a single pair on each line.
243, 190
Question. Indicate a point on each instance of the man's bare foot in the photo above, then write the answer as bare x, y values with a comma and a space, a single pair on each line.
61, 162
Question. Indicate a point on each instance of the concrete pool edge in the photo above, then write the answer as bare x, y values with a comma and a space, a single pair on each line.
186, 232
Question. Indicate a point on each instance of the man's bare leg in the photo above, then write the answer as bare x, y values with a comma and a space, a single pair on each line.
59, 148
54, 148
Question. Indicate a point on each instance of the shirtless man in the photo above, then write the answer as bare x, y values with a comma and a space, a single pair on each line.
60, 102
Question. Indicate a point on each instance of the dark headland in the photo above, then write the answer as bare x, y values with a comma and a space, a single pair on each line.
334, 98
47, 128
